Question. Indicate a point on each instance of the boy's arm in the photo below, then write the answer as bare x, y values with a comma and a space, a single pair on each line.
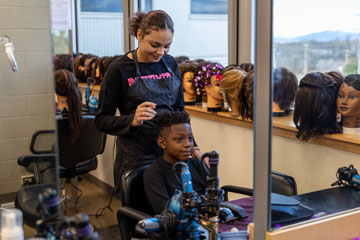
155, 190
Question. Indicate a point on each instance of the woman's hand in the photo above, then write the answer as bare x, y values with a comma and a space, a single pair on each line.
196, 153
144, 112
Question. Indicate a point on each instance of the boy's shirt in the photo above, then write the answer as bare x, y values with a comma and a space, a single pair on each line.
160, 181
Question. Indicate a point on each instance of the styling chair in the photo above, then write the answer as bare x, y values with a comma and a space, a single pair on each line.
75, 158
281, 183
135, 206
79, 157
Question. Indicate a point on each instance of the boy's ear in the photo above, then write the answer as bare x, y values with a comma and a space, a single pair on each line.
161, 142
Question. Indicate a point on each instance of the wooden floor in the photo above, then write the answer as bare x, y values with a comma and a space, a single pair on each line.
93, 199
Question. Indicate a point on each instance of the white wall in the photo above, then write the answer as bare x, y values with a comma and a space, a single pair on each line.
26, 97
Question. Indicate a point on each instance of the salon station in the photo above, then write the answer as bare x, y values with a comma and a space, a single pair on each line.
168, 119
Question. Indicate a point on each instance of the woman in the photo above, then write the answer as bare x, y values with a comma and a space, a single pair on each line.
140, 84
68, 100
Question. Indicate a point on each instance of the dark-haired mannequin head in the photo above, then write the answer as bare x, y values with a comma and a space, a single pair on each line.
348, 101
231, 83
188, 69
315, 106
246, 96
247, 67
285, 89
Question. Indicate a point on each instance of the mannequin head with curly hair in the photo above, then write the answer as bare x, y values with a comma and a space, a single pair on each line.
315, 106
246, 96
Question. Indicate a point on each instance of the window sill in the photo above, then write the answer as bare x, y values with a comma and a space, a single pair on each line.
283, 127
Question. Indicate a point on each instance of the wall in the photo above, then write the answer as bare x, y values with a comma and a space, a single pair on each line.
26, 96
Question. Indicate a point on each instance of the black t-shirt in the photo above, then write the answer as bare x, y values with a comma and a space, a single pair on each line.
160, 181
136, 146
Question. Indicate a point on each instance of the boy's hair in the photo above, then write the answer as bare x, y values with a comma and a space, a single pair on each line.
167, 119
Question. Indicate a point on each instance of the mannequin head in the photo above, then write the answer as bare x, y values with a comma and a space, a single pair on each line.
231, 67
66, 89
247, 67
63, 61
315, 111
188, 69
348, 101
246, 96
180, 59
212, 83
285, 89
231, 83
154, 31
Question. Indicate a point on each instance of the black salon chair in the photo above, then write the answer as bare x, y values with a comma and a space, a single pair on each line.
79, 157
281, 183
75, 158
135, 206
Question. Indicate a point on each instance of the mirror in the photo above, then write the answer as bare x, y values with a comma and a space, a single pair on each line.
330, 46
26, 96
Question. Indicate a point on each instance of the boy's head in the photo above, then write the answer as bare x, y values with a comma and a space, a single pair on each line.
175, 136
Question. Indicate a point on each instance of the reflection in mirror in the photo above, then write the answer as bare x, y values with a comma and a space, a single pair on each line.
26, 103
320, 56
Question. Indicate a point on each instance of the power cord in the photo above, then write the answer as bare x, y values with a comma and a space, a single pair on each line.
102, 211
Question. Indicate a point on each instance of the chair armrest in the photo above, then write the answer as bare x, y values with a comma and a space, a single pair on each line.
236, 189
28, 159
33, 140
133, 213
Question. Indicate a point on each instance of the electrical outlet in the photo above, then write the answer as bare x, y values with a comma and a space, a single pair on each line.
28, 179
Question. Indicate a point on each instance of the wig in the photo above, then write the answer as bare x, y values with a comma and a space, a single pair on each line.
285, 87
154, 20
247, 67
66, 85
246, 96
315, 106
203, 77
189, 66
232, 79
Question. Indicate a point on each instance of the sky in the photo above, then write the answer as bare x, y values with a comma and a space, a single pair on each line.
293, 18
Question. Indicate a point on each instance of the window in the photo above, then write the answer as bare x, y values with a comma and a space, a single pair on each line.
197, 37
209, 7
100, 27
101, 6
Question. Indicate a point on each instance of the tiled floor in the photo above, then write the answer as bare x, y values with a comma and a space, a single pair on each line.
93, 199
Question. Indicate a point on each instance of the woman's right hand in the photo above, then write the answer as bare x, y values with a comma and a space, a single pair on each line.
144, 112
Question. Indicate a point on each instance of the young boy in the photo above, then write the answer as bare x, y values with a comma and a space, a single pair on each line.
176, 139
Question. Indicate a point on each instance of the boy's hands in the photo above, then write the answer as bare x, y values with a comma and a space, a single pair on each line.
145, 111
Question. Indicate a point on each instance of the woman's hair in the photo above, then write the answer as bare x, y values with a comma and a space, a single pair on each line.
315, 106
246, 96
247, 67
285, 87
232, 79
154, 20
66, 85
167, 119
353, 80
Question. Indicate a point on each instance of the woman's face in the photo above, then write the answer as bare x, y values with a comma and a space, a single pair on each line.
188, 80
348, 101
154, 45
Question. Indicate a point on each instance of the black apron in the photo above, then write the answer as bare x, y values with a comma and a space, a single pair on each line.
140, 148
